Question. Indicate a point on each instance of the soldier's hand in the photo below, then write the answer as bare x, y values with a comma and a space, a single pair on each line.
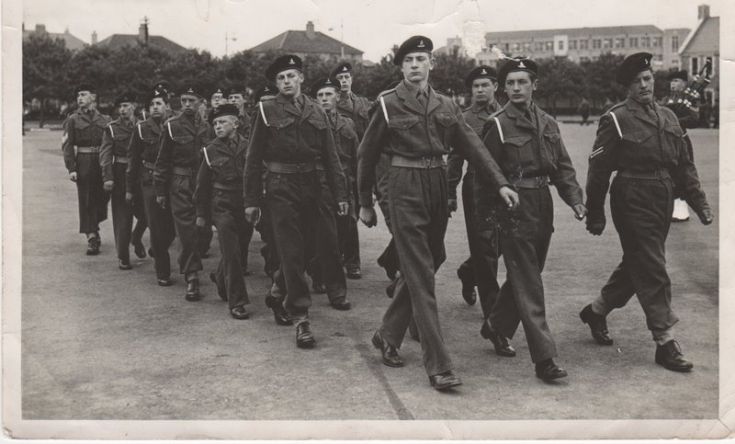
108, 185
73, 176
252, 215
706, 216
344, 208
452, 204
129, 198
161, 201
201, 222
510, 197
580, 211
368, 216
596, 225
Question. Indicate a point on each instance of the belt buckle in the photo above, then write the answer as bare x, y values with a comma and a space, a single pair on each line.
427, 161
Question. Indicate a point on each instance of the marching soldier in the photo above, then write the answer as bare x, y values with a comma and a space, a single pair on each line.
236, 96
218, 198
142, 153
290, 140
644, 143
80, 143
527, 144
416, 126
176, 165
114, 163
333, 235
482, 82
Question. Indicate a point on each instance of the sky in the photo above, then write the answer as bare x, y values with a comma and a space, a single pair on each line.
372, 26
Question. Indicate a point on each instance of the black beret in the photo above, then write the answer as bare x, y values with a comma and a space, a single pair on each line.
125, 97
158, 94
227, 109
85, 87
481, 72
218, 90
288, 61
342, 68
236, 90
162, 86
632, 65
190, 90
516, 64
417, 43
267, 90
324, 83
683, 75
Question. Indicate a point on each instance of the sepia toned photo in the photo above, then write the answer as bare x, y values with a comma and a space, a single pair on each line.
240, 219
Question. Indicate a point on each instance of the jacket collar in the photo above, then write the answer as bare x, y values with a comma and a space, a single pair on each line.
407, 93
517, 114
639, 111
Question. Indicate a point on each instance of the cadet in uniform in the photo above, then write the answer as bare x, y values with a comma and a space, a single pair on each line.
644, 143
527, 144
236, 96
218, 198
341, 229
482, 83
142, 153
290, 137
80, 143
175, 176
114, 163
356, 109
416, 126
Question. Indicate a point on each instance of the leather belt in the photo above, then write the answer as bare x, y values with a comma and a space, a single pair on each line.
227, 187
530, 182
290, 168
648, 175
181, 171
418, 162
149, 165
88, 150
120, 159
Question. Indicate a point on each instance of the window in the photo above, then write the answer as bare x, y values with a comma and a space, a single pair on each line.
675, 43
516, 47
620, 43
607, 43
561, 45
584, 44
596, 43
695, 65
584, 59
549, 46
538, 46
527, 47
572, 44
657, 42
646, 42
634, 42
658, 57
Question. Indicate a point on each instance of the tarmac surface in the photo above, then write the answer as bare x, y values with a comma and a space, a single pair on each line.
101, 343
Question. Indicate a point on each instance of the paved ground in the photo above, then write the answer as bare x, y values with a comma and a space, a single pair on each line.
100, 343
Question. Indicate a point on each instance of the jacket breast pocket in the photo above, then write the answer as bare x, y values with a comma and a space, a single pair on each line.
673, 142
279, 126
552, 142
520, 150
185, 139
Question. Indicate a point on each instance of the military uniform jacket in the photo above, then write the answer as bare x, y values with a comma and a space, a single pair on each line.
346, 141
115, 141
180, 149
402, 126
142, 150
476, 117
629, 138
224, 162
81, 129
526, 149
356, 108
283, 133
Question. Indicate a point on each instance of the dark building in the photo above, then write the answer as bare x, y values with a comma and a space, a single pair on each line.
142, 38
310, 42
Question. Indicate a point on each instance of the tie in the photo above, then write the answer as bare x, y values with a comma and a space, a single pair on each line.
423, 99
297, 104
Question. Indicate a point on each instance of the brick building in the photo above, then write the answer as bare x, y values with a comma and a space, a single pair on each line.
310, 42
703, 44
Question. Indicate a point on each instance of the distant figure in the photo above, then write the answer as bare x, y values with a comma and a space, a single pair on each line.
584, 111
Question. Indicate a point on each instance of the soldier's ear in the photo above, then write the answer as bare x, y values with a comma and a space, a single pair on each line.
432, 62
535, 84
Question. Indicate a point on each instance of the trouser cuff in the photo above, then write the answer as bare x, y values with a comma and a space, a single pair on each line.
600, 307
661, 337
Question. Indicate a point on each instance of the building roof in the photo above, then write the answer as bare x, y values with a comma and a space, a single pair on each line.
573, 32
117, 41
299, 42
72, 42
704, 38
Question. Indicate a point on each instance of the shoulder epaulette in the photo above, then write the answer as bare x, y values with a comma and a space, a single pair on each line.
140, 130
500, 127
615, 121
262, 112
206, 156
109, 125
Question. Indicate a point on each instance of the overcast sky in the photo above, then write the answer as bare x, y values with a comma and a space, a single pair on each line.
370, 25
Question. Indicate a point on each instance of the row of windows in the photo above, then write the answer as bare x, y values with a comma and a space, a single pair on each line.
607, 43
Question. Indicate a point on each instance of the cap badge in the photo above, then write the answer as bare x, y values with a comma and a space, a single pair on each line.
483, 71
344, 68
521, 65
291, 62
421, 44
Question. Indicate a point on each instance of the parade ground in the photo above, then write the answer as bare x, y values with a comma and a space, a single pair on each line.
101, 343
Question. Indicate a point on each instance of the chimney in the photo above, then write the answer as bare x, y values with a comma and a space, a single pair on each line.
41, 29
703, 12
94, 37
310, 29
143, 32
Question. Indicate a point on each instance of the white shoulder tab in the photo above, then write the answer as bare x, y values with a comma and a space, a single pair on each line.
500, 130
262, 112
112, 133
140, 132
617, 125
385, 111
170, 133
206, 157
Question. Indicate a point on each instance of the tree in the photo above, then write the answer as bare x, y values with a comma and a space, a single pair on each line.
601, 83
559, 78
45, 63
449, 72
